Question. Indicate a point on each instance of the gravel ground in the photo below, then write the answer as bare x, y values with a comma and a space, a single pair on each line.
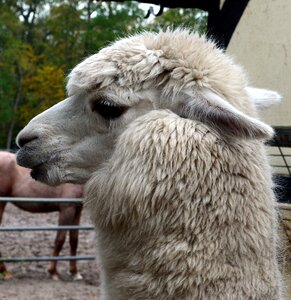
31, 280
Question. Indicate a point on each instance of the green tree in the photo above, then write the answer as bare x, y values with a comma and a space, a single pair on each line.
62, 33
107, 21
44, 88
42, 40
192, 18
11, 49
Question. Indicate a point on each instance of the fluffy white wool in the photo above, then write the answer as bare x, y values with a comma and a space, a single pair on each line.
175, 60
182, 214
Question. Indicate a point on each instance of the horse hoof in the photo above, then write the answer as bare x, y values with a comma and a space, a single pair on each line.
77, 276
55, 277
7, 275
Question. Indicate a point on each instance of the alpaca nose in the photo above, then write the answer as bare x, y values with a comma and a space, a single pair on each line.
23, 139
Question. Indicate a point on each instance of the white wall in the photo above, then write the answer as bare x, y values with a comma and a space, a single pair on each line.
261, 43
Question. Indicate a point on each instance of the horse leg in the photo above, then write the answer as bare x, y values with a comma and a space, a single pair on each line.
6, 274
74, 236
59, 242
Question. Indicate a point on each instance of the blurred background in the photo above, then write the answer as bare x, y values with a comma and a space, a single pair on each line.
41, 41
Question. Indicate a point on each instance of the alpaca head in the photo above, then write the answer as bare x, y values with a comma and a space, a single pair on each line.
174, 70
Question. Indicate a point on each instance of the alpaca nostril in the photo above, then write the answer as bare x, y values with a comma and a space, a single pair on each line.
23, 140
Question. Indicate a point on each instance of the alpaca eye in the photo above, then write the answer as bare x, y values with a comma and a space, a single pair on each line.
108, 110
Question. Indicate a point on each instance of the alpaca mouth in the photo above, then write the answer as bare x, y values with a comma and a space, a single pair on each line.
42, 165
38, 169
29, 158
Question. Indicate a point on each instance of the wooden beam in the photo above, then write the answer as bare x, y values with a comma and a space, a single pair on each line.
222, 22
201, 4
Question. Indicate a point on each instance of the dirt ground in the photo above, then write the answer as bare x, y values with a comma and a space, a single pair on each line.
31, 280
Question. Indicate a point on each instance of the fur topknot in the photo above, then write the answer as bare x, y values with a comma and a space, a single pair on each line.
174, 60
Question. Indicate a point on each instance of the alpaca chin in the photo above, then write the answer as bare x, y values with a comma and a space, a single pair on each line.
45, 173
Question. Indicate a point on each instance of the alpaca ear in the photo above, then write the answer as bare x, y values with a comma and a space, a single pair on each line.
263, 98
211, 109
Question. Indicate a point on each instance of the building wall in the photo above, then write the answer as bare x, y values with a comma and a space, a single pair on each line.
261, 43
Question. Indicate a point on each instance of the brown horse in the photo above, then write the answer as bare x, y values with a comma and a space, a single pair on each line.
15, 181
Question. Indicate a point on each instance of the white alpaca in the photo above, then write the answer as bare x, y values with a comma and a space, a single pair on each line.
180, 189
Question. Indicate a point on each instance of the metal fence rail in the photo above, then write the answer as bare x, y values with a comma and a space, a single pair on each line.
40, 200
46, 258
44, 228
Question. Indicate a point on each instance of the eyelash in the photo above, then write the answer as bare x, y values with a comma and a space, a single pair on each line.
107, 109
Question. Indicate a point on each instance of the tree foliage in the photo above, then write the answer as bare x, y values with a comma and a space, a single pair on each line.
41, 41
194, 19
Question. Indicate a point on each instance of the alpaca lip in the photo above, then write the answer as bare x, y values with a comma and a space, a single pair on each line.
39, 165
28, 158
24, 159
